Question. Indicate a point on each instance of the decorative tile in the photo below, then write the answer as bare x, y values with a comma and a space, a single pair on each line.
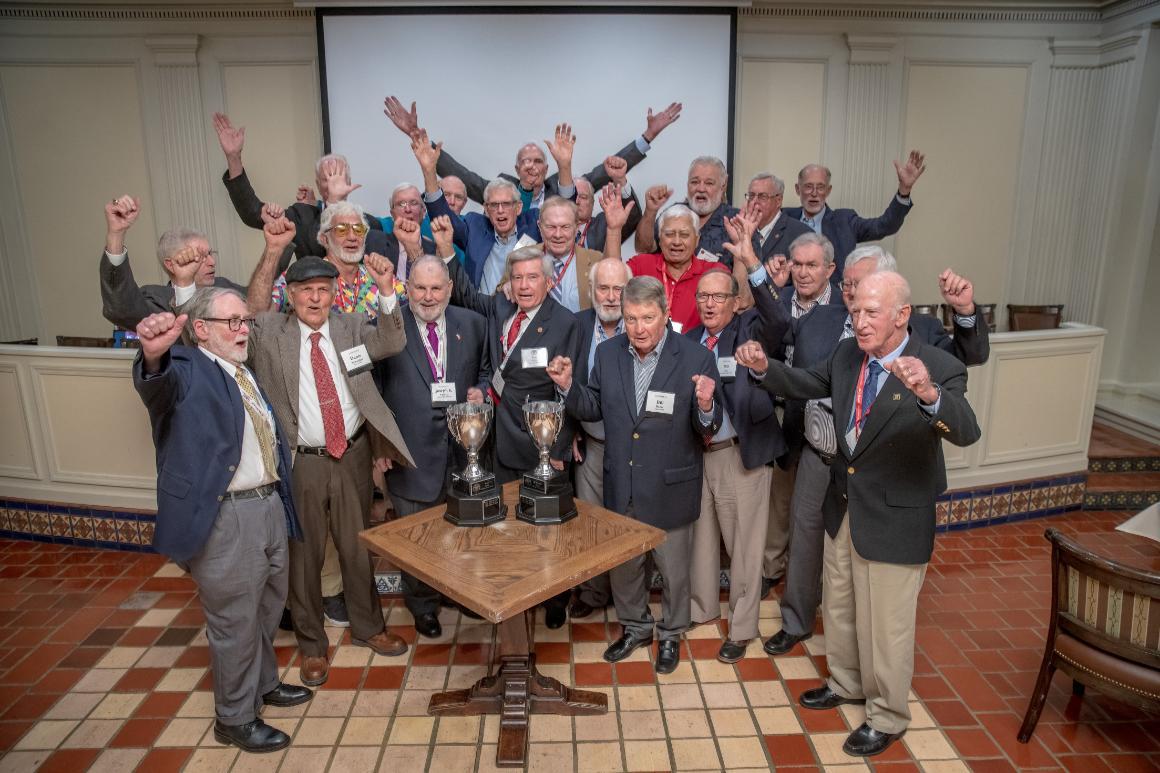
60, 525
942, 513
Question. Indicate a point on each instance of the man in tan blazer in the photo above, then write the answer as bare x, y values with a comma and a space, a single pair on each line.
315, 367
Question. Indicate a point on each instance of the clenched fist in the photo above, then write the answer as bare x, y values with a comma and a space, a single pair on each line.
704, 387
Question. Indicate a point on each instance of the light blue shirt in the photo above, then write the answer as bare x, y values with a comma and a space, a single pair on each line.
496, 261
726, 430
569, 289
814, 222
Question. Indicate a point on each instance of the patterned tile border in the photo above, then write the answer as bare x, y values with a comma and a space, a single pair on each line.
1120, 500
82, 526
1125, 464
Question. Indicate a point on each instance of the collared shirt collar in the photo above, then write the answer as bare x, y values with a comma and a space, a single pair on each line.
765, 232
306, 330
894, 355
803, 306
227, 366
655, 353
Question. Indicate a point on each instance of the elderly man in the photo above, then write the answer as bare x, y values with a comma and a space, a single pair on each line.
606, 281
571, 262
593, 231
455, 192
531, 170
774, 231
331, 175
706, 197
445, 361
487, 241
315, 365
224, 510
185, 256
894, 400
657, 395
845, 227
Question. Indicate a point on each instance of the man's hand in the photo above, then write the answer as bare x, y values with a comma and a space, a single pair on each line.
407, 232
382, 271
576, 455
560, 371
120, 214
272, 212
426, 154
909, 172
615, 210
475, 395
563, 145
336, 185
232, 140
158, 332
751, 355
278, 234
958, 292
740, 245
655, 124
617, 170
383, 464
913, 374
655, 197
185, 264
704, 387
306, 195
778, 269
407, 121
444, 235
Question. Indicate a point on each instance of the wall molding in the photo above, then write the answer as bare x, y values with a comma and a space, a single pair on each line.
92, 13
916, 12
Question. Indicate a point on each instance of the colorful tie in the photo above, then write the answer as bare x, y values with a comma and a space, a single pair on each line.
332, 421
250, 401
558, 285
433, 340
869, 392
514, 331
711, 343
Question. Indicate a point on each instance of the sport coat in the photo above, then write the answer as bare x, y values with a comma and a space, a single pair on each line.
554, 328
845, 228
585, 259
784, 231
196, 412
889, 481
652, 462
596, 234
476, 184
750, 408
125, 304
475, 235
275, 343
387, 245
586, 322
406, 385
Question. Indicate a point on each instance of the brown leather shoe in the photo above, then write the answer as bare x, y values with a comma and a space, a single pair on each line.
383, 643
313, 671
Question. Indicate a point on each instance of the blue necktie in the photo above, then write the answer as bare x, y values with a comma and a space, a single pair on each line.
869, 392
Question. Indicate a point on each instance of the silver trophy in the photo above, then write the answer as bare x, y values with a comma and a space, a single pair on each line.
545, 493
473, 498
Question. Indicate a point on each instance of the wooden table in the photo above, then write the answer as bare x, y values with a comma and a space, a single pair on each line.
502, 571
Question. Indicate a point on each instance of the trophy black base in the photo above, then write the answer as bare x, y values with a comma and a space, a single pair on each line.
546, 502
474, 503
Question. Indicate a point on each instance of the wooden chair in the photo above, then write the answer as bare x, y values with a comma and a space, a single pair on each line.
1034, 317
85, 341
929, 309
987, 310
1102, 631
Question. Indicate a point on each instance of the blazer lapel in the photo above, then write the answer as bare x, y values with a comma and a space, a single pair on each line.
889, 398
845, 377
454, 356
414, 346
534, 332
289, 346
628, 382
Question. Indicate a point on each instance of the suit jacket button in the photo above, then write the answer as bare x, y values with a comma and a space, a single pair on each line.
232, 468
629, 462
220, 498
636, 436
850, 470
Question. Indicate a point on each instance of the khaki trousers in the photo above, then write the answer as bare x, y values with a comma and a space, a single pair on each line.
868, 609
735, 507
777, 534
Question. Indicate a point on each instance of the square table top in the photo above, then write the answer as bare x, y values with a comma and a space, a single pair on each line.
503, 569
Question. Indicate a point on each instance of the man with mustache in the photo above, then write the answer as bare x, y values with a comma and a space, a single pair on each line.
708, 180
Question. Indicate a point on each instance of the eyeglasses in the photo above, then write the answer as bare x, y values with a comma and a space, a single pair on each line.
849, 285
340, 230
719, 297
409, 204
814, 187
495, 206
762, 197
235, 323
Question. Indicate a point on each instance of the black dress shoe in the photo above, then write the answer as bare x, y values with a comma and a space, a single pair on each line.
623, 647
782, 642
427, 624
254, 736
287, 695
556, 616
668, 656
732, 651
579, 609
866, 741
767, 584
823, 697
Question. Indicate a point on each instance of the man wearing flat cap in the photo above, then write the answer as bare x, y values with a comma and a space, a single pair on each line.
315, 365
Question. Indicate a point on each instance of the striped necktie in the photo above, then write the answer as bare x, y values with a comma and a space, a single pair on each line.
252, 401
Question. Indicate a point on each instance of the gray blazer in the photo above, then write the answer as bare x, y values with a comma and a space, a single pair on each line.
125, 303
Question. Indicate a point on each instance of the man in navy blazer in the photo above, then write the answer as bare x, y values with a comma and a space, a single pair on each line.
845, 228
445, 346
660, 402
775, 230
224, 507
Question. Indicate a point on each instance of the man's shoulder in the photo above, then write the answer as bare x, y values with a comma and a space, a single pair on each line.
462, 316
586, 318
941, 364
793, 225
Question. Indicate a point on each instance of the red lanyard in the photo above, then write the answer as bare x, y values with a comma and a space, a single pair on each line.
582, 234
860, 417
670, 284
564, 269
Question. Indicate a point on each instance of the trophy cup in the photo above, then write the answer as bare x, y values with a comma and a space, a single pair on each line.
545, 493
473, 499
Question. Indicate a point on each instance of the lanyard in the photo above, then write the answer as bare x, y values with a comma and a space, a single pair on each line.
670, 284
582, 234
556, 280
437, 362
859, 417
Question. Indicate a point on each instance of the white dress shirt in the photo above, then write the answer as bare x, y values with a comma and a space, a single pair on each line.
311, 431
251, 471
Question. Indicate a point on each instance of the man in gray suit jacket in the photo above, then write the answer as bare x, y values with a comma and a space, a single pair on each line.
894, 401
185, 256
315, 366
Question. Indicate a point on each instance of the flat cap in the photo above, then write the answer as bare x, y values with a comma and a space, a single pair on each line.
310, 268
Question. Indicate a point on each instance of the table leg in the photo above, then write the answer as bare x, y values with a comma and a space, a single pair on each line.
515, 691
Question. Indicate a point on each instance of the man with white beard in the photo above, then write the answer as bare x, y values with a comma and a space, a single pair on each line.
706, 197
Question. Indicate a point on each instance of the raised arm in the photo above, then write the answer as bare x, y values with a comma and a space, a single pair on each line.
615, 217
278, 233
122, 301
561, 150
646, 232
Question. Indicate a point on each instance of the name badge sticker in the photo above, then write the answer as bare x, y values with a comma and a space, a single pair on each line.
678, 328
711, 257
534, 358
443, 393
659, 402
357, 360
727, 366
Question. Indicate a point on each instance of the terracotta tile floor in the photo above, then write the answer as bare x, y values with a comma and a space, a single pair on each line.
103, 665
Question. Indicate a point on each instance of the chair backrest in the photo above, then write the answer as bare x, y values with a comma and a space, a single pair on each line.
929, 309
85, 341
987, 310
1105, 604
1034, 317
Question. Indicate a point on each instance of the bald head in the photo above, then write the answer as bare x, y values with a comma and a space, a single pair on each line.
880, 312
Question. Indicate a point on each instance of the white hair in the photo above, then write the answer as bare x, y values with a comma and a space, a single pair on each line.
885, 261
679, 210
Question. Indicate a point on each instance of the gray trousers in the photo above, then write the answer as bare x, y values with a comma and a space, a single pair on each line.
333, 496
630, 588
590, 487
420, 598
803, 572
241, 575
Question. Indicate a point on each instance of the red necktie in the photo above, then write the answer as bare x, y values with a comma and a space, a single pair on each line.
514, 332
710, 342
332, 421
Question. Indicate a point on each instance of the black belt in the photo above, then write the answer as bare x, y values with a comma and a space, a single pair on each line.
593, 439
826, 458
321, 450
722, 444
252, 493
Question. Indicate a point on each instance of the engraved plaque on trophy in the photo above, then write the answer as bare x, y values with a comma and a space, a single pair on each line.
473, 498
545, 492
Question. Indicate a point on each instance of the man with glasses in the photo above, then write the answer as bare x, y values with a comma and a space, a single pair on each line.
185, 257
774, 231
707, 182
845, 228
